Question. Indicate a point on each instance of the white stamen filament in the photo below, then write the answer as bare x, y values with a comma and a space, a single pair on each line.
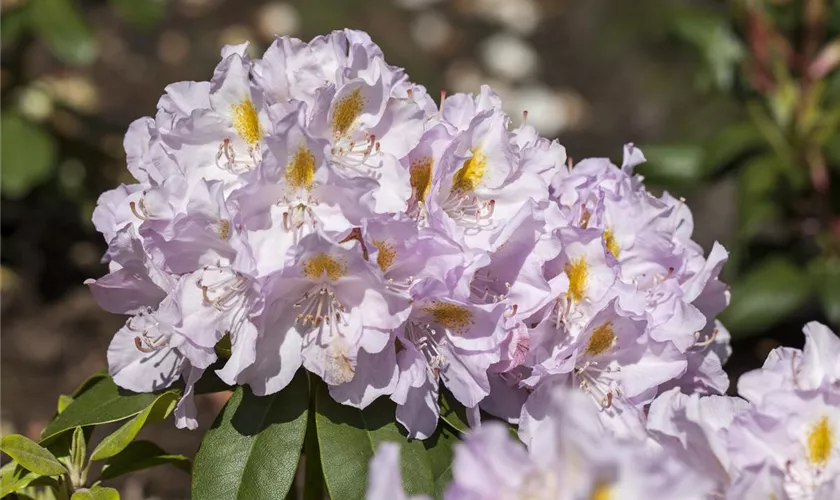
144, 342
227, 161
299, 217
230, 294
486, 288
319, 306
470, 211
427, 342
139, 209
357, 156
707, 340
590, 381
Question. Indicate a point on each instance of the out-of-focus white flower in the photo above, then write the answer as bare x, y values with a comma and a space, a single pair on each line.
430, 30
509, 56
277, 19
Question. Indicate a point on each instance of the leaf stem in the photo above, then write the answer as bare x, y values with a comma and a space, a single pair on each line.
313, 484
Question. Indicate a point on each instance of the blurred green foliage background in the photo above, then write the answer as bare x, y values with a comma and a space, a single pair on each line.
735, 103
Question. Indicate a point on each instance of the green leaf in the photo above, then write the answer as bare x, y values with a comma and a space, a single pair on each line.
27, 155
139, 455
63, 402
452, 412
712, 35
144, 14
88, 383
155, 412
102, 403
210, 382
440, 453
14, 478
61, 26
349, 437
253, 448
771, 291
13, 24
757, 205
730, 143
672, 164
96, 493
31, 455
828, 274
78, 450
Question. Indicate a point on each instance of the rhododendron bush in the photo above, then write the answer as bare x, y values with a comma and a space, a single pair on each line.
419, 298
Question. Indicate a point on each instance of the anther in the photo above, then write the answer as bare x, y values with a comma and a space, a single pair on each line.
140, 347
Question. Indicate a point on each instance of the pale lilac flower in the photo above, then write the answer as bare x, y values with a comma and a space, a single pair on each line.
787, 369
696, 429
795, 433
566, 460
445, 340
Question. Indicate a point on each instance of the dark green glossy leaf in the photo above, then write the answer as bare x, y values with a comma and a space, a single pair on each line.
252, 450
31, 455
60, 24
89, 382
104, 402
440, 453
349, 437
139, 455
766, 295
119, 439
452, 412
27, 155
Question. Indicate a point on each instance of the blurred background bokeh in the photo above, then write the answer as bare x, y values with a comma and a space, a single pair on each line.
735, 103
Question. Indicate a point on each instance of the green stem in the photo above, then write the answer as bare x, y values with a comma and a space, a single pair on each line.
313, 484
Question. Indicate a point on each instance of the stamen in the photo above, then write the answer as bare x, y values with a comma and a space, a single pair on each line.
231, 164
140, 347
707, 340
428, 343
512, 311
142, 214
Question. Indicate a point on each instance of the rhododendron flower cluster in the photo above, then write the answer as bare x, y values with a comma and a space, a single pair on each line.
320, 210
780, 440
